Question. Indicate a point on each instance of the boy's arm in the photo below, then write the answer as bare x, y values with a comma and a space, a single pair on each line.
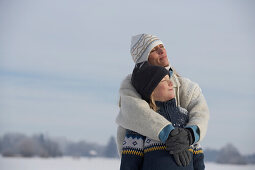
121, 132
135, 114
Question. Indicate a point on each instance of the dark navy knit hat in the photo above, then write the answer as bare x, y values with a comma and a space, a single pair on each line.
146, 77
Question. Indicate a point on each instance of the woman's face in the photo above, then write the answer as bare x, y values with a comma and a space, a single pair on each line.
158, 56
164, 90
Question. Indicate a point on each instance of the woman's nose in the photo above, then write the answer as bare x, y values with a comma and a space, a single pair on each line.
160, 50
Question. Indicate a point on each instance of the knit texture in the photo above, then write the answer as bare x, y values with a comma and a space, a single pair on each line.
141, 45
177, 118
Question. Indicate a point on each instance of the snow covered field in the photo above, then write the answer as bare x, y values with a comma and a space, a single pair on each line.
68, 163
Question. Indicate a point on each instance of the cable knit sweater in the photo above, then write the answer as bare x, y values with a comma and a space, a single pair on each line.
136, 115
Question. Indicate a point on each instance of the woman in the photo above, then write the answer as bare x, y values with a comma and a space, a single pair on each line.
135, 113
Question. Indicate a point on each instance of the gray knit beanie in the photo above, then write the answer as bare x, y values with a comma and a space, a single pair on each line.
141, 46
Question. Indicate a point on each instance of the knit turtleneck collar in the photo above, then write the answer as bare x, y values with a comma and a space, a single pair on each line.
170, 111
170, 102
168, 67
166, 109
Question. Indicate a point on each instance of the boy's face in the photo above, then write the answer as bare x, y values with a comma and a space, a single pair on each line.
164, 90
158, 56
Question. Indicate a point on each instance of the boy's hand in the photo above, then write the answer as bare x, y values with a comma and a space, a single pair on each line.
179, 139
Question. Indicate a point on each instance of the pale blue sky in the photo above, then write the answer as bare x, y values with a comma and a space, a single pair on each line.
62, 61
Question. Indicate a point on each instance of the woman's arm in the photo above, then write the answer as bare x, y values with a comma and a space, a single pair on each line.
135, 114
192, 99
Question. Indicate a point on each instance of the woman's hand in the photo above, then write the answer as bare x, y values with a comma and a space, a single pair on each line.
183, 158
178, 140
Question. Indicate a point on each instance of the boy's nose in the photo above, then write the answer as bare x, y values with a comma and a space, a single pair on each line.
170, 83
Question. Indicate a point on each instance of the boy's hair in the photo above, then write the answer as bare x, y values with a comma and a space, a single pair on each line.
152, 103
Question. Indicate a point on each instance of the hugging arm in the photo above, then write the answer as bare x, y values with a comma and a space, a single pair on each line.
196, 105
135, 114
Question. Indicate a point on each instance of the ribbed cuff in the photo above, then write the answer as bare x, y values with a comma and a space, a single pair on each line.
163, 135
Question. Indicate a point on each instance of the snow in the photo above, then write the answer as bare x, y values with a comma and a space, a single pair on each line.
69, 163
214, 166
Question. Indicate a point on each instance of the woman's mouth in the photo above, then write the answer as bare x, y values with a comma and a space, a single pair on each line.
163, 57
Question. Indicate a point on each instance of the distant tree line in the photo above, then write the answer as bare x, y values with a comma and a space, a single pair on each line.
228, 155
43, 146
13, 144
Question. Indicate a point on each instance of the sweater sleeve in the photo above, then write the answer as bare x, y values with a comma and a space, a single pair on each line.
163, 135
192, 99
133, 151
194, 129
135, 114
121, 132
